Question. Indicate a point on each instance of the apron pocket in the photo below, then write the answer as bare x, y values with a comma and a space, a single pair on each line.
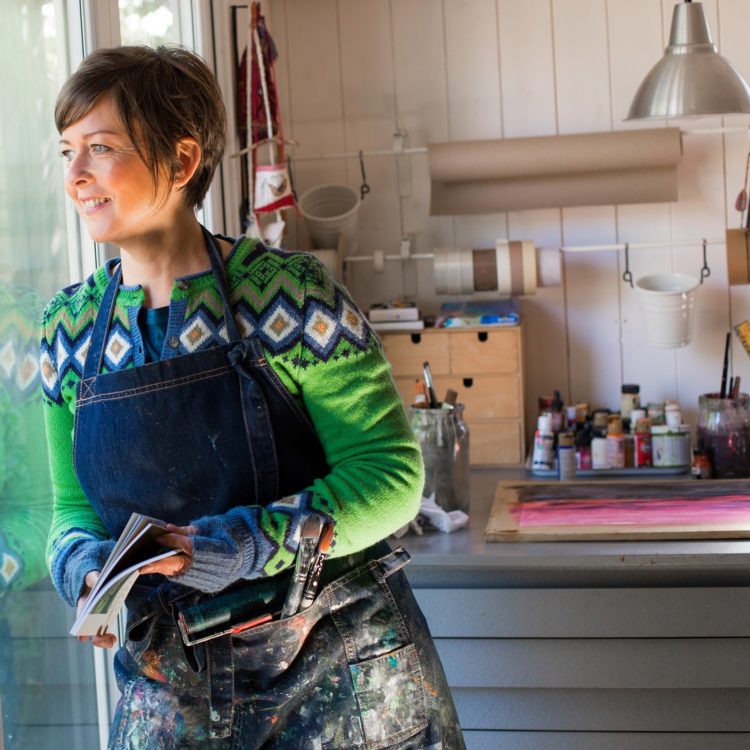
390, 694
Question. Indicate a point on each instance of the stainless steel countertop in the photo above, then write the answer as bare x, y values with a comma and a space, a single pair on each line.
463, 558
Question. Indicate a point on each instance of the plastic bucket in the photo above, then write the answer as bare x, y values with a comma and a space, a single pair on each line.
667, 303
331, 211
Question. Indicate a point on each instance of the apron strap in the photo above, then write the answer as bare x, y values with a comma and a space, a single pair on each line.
220, 274
265, 469
95, 354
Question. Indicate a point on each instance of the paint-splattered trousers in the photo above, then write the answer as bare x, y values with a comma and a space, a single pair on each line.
357, 670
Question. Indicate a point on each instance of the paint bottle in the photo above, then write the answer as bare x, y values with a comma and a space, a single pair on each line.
629, 399
701, 466
655, 411
642, 447
566, 456
599, 453
543, 457
615, 444
558, 413
635, 416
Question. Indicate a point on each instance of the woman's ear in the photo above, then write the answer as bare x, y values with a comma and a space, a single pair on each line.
189, 153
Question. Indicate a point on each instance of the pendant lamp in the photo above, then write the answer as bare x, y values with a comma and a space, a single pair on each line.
692, 78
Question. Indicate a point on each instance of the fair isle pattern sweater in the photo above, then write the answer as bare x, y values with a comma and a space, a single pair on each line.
328, 358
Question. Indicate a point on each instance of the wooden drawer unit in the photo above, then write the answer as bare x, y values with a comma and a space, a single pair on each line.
484, 366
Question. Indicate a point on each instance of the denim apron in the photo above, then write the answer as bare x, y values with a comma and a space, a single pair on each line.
195, 435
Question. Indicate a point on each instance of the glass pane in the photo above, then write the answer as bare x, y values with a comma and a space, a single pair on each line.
155, 22
47, 690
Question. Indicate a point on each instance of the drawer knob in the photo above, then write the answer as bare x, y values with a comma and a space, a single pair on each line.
482, 335
468, 382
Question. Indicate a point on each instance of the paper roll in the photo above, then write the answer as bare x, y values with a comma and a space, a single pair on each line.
473, 177
509, 269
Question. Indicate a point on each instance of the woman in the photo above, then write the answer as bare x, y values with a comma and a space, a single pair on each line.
236, 392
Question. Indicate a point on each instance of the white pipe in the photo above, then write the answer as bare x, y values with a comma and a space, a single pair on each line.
635, 245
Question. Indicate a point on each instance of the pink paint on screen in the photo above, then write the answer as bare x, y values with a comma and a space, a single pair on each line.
734, 509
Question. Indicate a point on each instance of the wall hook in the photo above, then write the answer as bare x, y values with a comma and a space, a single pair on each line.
705, 271
627, 276
365, 188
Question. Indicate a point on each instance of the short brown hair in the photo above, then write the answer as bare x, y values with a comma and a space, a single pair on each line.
161, 95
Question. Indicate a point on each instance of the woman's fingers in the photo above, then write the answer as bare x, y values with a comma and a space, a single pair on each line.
168, 566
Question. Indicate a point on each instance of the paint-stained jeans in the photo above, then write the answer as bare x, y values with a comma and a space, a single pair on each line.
356, 671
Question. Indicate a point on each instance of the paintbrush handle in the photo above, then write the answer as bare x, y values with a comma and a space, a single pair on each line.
301, 569
311, 586
725, 368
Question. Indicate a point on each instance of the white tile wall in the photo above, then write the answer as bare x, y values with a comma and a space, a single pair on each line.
351, 72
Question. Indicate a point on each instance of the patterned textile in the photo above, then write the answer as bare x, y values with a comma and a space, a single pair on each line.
326, 357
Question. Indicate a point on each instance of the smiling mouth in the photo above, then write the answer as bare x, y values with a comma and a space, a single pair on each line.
94, 202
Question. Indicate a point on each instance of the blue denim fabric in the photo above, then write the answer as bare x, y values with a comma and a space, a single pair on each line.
195, 435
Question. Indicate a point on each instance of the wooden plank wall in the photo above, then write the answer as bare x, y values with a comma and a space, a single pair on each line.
352, 72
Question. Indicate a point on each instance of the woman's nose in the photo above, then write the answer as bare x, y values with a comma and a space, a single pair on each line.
77, 172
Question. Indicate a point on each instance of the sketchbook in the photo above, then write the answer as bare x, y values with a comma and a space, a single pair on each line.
136, 546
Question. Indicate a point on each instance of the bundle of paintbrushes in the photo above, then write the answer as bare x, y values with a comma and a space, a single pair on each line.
315, 542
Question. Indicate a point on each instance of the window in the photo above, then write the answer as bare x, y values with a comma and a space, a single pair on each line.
54, 691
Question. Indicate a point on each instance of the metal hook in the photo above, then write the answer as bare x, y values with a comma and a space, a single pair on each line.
291, 179
627, 276
705, 271
365, 188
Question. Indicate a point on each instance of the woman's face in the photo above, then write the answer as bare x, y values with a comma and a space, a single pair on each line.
109, 184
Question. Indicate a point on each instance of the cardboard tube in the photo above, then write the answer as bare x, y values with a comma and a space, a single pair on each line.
633, 166
581, 189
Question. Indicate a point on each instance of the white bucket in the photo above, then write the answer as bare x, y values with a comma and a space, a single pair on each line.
331, 211
667, 303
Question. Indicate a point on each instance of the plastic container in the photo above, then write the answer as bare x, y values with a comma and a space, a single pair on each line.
723, 432
566, 456
443, 438
331, 211
667, 304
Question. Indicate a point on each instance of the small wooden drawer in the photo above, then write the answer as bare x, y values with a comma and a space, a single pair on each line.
408, 352
487, 397
477, 352
494, 443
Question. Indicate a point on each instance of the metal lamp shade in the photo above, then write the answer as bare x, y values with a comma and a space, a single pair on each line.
692, 78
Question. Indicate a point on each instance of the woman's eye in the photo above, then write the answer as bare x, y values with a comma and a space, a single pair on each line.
99, 148
67, 154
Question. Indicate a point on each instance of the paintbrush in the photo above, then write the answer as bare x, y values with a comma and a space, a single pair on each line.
430, 389
311, 585
725, 369
309, 536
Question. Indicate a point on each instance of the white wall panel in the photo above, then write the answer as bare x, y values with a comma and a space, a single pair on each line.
582, 65
527, 68
474, 111
731, 36
631, 60
591, 279
315, 76
653, 369
369, 102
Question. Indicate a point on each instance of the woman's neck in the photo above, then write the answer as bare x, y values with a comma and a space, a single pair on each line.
157, 260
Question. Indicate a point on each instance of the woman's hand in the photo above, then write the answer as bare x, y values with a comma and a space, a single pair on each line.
103, 639
175, 565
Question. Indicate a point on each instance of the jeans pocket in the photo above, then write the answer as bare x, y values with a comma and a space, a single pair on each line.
390, 695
